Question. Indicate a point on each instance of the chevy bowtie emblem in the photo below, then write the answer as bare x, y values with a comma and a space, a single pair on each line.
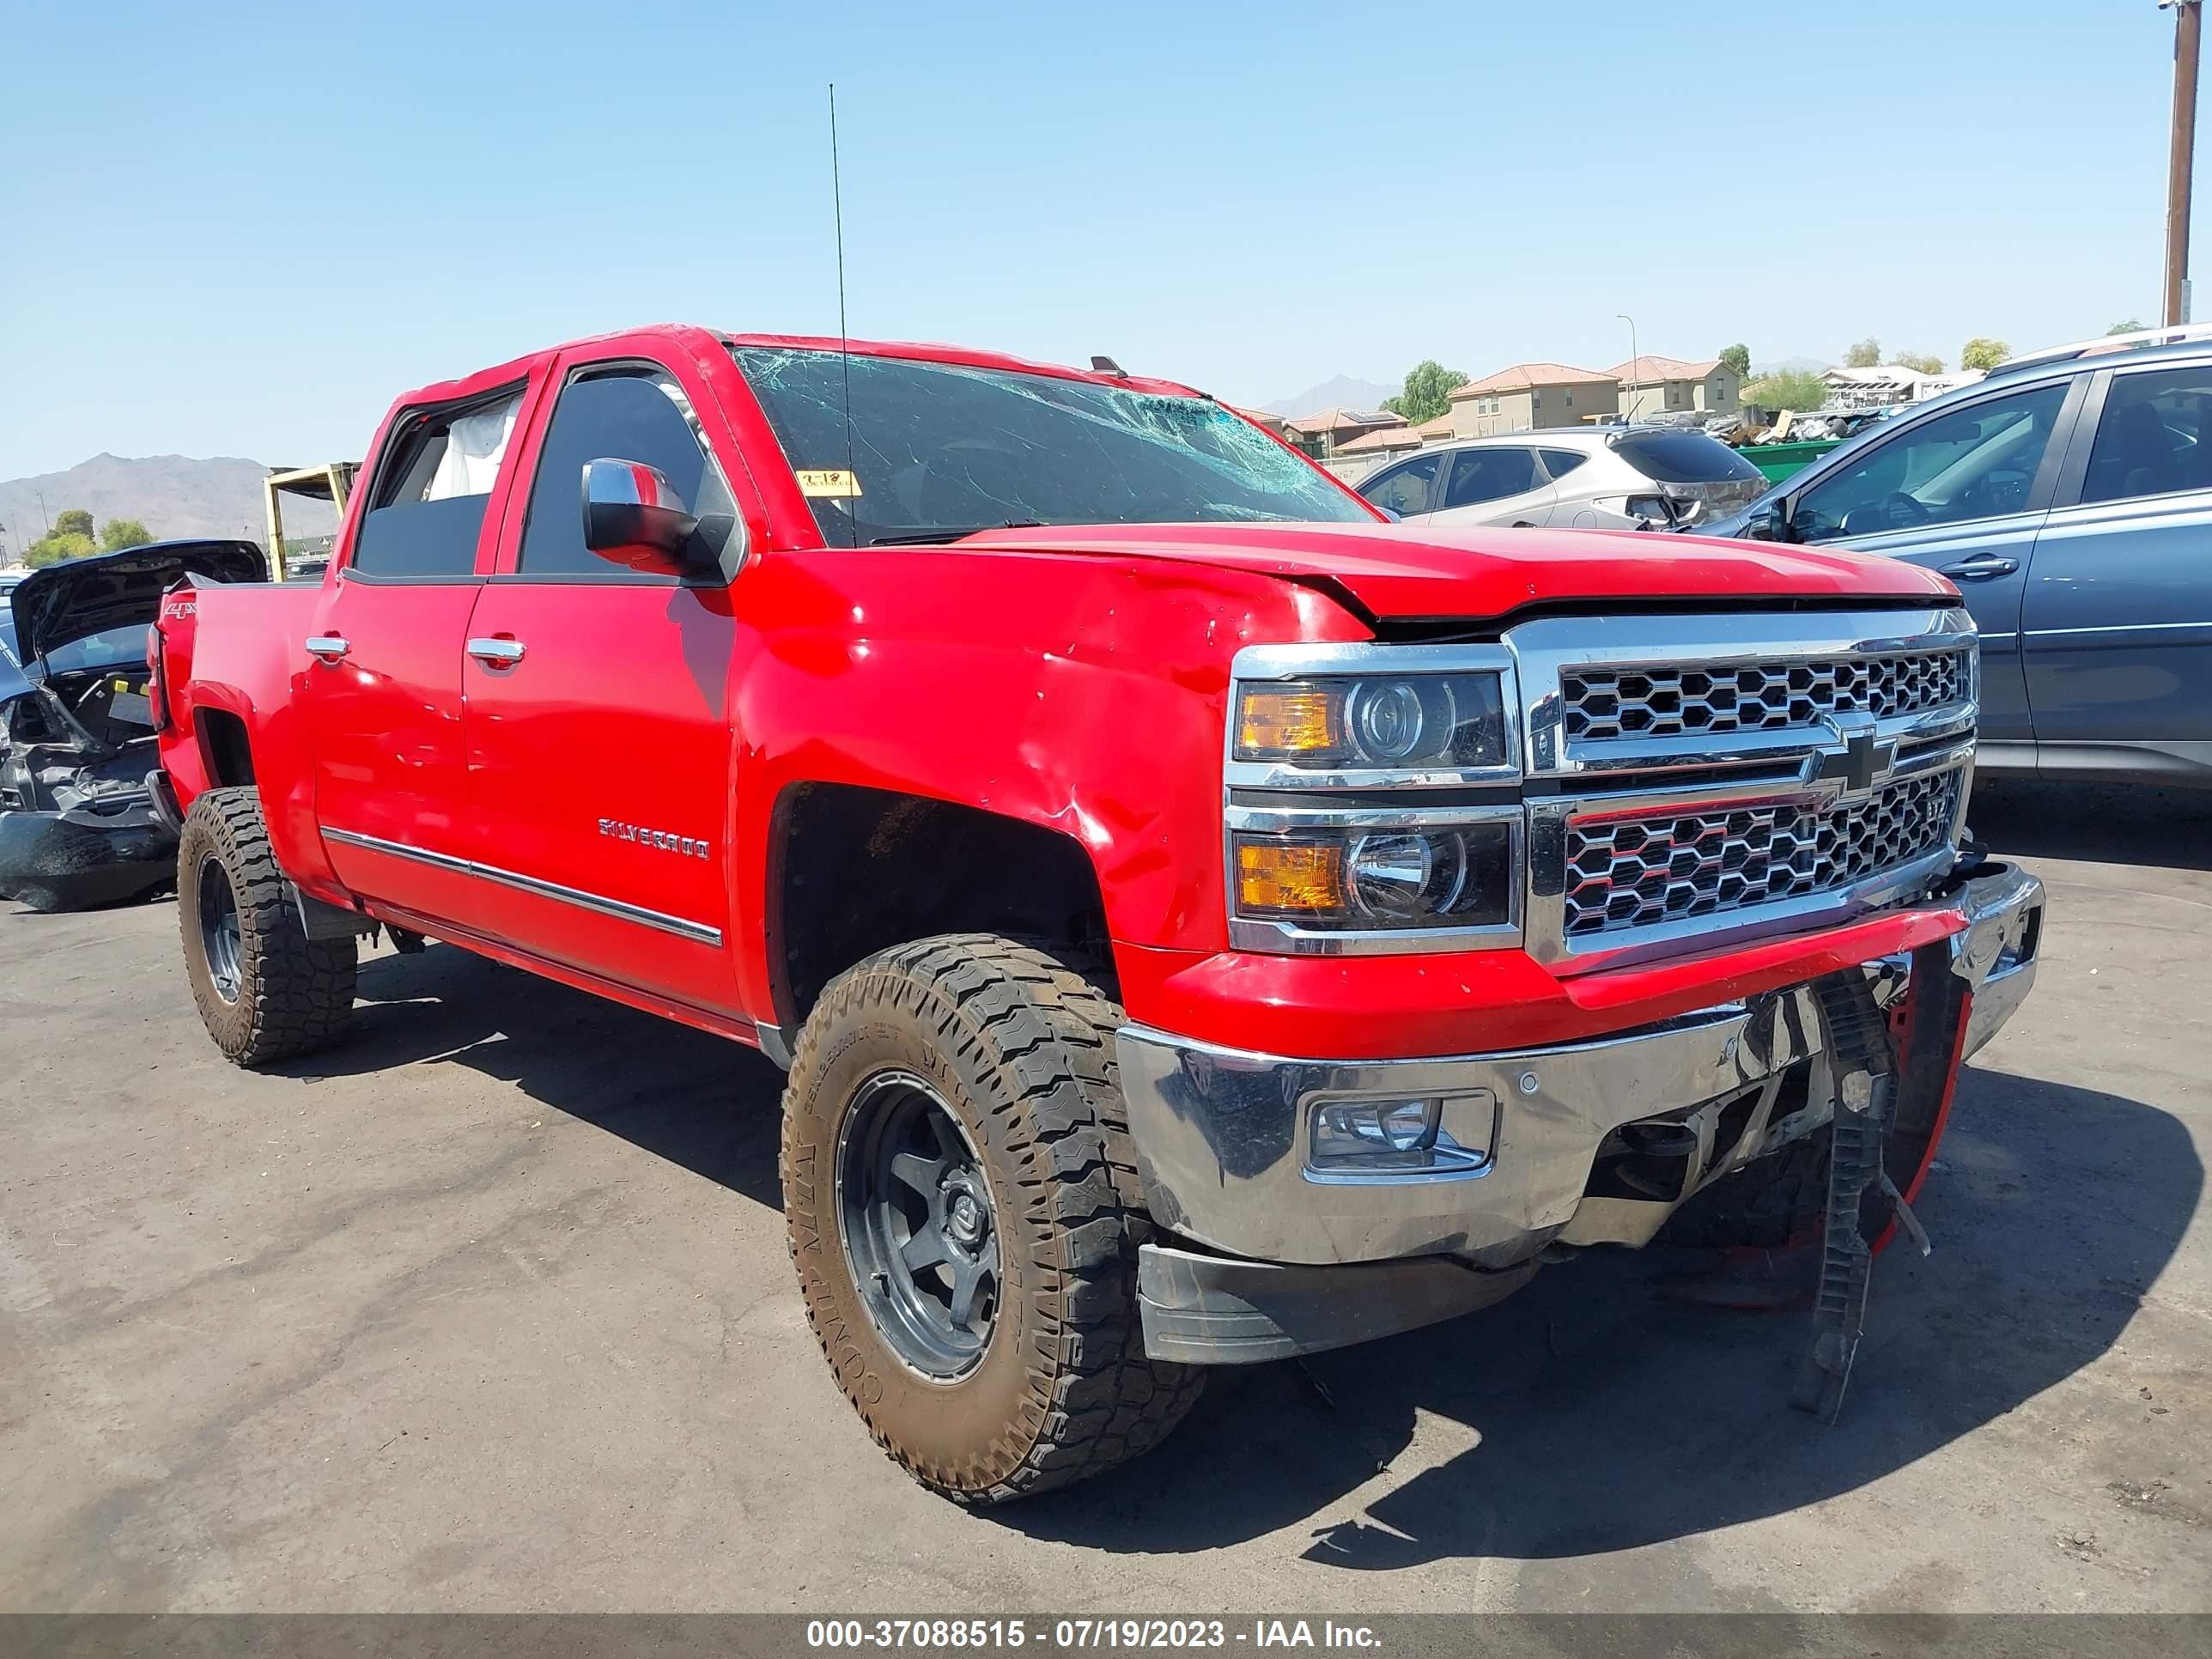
1858, 763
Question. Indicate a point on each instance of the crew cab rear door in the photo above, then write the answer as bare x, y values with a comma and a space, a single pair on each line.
599, 731
379, 691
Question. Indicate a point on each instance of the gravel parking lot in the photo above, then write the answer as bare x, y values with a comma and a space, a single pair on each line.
489, 1309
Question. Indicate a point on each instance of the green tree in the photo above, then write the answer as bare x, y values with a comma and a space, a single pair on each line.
1429, 386
2133, 325
1737, 359
1982, 352
1925, 362
119, 533
52, 550
72, 521
1864, 354
1798, 389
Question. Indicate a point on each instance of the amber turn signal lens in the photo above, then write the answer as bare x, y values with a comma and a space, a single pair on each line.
1279, 876
1286, 722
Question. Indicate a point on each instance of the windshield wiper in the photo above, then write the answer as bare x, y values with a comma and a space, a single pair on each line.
924, 538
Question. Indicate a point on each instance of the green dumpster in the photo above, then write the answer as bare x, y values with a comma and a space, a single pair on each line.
1778, 461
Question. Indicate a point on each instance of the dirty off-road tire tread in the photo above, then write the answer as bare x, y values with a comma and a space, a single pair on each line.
297, 993
1033, 1011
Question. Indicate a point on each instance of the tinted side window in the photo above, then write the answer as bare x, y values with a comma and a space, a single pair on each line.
2155, 436
428, 508
625, 415
1409, 489
1490, 475
1560, 462
1976, 462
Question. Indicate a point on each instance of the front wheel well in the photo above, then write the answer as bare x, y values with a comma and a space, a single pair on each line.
854, 871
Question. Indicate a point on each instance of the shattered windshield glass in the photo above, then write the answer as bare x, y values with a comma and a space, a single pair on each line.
938, 450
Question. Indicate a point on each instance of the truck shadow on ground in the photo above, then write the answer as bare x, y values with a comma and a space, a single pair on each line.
1587, 1415
1584, 1415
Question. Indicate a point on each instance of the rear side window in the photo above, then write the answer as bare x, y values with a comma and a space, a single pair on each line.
1560, 462
628, 414
1683, 458
2154, 438
1407, 489
429, 508
1490, 475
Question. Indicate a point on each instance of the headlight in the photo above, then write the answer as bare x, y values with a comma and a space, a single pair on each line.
1355, 878
1416, 721
1372, 800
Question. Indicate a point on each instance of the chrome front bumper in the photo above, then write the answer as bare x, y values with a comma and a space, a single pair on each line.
1222, 1135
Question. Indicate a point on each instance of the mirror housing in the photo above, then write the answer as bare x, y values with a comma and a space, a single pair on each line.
633, 517
1769, 523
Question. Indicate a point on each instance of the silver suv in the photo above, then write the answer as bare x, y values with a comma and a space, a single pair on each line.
1574, 477
2069, 495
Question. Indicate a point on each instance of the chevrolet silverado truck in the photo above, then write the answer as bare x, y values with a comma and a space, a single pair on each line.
1202, 922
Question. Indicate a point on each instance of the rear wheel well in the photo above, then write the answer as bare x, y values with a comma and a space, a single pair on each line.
223, 745
855, 871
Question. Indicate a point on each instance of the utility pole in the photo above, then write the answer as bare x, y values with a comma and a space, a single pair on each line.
2188, 22
1635, 365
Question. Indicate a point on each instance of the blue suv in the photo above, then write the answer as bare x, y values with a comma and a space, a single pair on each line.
2069, 496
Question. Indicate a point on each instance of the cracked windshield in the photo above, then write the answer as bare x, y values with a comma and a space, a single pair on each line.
939, 451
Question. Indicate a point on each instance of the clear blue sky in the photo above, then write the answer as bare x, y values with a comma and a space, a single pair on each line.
236, 231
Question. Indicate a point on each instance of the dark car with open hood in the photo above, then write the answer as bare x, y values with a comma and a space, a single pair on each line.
77, 824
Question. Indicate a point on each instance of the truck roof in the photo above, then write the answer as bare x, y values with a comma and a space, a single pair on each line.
486, 379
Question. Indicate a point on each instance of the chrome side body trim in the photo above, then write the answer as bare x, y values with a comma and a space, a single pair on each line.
1222, 1135
697, 932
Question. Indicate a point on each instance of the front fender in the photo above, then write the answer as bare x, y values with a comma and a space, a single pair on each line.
1081, 695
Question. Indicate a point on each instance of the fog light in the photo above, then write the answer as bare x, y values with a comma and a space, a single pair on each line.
1354, 1139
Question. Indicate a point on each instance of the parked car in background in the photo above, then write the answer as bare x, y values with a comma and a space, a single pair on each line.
2069, 495
1574, 477
77, 826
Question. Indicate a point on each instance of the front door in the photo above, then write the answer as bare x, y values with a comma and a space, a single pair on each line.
600, 748
380, 694
2116, 623
1963, 492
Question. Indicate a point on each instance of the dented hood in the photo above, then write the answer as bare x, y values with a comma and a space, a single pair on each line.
1405, 572
68, 601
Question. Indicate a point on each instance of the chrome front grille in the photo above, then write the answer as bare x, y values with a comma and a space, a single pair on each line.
1638, 871
1598, 703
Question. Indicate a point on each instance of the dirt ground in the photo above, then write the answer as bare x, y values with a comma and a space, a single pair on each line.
489, 1309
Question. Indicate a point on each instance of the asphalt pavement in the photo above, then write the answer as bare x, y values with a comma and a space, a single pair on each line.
489, 1309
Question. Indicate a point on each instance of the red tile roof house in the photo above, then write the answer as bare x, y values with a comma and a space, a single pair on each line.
1663, 385
1533, 395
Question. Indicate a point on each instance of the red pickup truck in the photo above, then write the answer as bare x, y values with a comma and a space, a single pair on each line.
1202, 920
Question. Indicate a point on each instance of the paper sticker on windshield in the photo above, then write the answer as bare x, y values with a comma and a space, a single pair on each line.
829, 481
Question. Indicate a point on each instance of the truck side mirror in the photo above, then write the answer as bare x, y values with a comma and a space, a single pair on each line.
634, 517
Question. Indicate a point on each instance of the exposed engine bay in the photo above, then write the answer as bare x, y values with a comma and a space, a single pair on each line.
78, 824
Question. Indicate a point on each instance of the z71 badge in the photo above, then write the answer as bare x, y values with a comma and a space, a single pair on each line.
684, 845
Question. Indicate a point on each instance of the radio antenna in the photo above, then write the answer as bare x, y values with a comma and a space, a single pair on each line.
844, 342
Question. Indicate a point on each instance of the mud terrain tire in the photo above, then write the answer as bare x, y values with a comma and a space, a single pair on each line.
265, 990
1012, 1041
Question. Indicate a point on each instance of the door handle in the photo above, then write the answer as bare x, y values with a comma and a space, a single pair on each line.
496, 654
1982, 567
328, 649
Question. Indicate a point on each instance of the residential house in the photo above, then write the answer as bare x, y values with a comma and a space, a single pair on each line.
1322, 433
1355, 459
1670, 385
1532, 395
1890, 383
1263, 420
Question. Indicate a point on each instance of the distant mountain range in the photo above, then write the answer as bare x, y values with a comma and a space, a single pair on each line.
172, 494
1342, 392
